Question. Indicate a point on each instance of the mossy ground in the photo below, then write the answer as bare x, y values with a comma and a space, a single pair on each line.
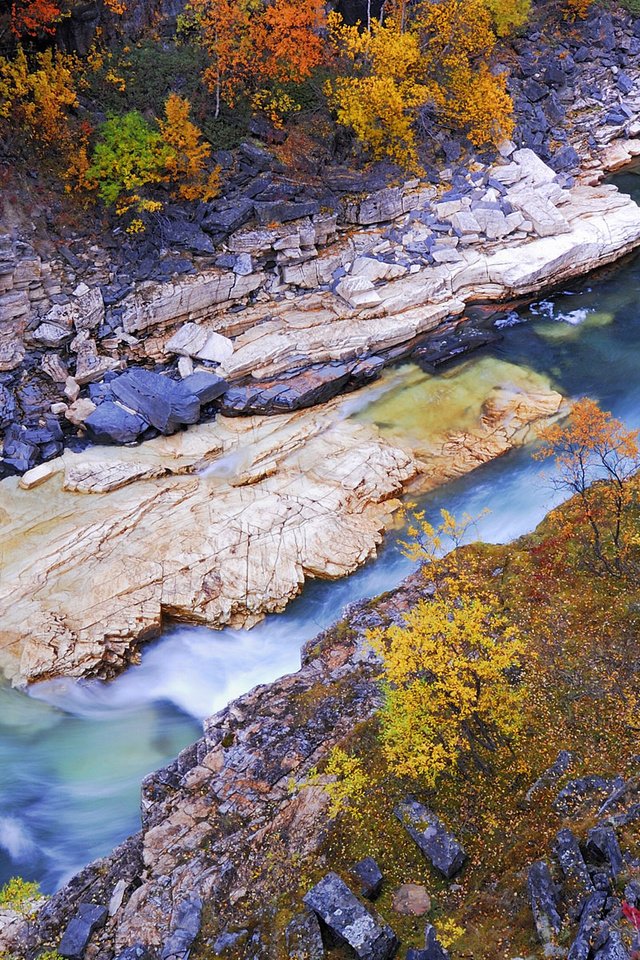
581, 629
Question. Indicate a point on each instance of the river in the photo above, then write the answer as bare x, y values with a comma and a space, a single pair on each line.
72, 754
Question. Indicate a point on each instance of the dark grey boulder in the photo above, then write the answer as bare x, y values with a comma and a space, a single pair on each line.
7, 407
19, 452
161, 401
543, 897
603, 847
110, 423
613, 949
282, 211
229, 218
577, 792
438, 845
589, 927
228, 940
578, 885
369, 875
349, 921
207, 387
433, 949
190, 236
185, 927
303, 937
88, 918
137, 952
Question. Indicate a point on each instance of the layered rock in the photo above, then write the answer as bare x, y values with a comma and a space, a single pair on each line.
223, 523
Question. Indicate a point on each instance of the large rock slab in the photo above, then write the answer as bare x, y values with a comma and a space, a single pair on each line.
543, 897
164, 403
438, 844
350, 921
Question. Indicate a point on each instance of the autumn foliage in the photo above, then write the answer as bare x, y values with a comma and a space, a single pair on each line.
596, 459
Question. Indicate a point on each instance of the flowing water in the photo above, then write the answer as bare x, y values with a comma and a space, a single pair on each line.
72, 755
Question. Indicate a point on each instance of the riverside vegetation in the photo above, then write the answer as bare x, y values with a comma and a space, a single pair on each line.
389, 80
503, 696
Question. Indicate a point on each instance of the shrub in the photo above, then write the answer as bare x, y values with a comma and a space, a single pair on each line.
17, 893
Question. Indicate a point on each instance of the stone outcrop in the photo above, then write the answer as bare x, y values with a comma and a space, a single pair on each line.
222, 523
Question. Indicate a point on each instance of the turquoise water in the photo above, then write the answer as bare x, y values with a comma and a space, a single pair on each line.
72, 755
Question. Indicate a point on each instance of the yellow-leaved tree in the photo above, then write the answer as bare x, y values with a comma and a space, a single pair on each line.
187, 152
380, 86
452, 684
458, 42
509, 15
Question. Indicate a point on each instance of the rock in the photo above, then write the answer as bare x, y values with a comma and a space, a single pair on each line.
111, 423
559, 766
438, 845
349, 921
8, 408
588, 927
185, 367
89, 917
207, 387
37, 475
52, 335
576, 792
137, 952
358, 292
378, 207
433, 949
190, 236
170, 543
78, 412
283, 211
613, 949
603, 847
543, 896
229, 218
578, 885
90, 365
54, 367
196, 340
165, 403
18, 453
318, 384
370, 877
412, 900
303, 938
185, 926
71, 389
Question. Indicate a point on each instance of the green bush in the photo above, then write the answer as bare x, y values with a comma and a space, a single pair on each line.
128, 156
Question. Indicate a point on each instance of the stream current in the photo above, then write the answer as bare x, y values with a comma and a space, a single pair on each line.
72, 755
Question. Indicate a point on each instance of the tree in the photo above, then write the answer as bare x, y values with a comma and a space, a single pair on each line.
128, 157
35, 97
32, 18
509, 15
458, 43
249, 41
185, 159
382, 89
451, 684
593, 446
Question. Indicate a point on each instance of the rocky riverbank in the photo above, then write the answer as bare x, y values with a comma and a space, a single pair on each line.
296, 290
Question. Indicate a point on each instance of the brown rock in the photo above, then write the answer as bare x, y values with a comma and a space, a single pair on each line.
412, 900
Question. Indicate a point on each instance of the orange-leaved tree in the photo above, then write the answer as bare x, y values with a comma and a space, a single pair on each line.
252, 44
596, 459
32, 18
188, 153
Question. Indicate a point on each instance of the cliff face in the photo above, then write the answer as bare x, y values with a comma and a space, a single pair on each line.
77, 32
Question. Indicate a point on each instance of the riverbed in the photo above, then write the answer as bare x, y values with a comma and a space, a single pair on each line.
73, 754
